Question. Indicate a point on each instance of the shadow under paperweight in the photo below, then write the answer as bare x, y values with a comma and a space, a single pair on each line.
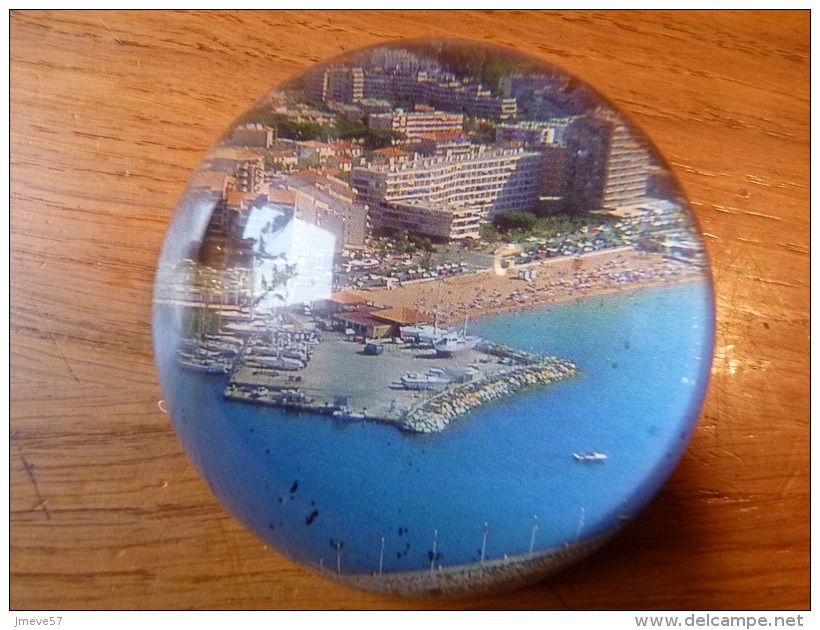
433, 317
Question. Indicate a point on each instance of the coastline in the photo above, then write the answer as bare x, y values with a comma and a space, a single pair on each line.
485, 577
554, 281
454, 581
434, 415
513, 371
454, 299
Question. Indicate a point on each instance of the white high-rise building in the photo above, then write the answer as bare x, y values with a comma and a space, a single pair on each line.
627, 170
344, 84
489, 180
418, 124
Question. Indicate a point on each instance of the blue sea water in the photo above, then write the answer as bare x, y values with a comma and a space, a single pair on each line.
357, 495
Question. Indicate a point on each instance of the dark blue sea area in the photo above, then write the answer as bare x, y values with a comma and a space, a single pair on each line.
351, 495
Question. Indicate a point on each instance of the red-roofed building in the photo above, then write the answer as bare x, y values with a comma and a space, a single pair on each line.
345, 163
391, 152
390, 155
348, 298
404, 316
239, 200
374, 323
282, 195
348, 149
285, 159
216, 181
324, 181
363, 323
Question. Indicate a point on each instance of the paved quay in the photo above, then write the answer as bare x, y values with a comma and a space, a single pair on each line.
340, 377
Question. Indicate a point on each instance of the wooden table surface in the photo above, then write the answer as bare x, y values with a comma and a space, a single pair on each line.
110, 114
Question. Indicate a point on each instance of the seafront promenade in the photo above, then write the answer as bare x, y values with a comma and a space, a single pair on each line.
507, 572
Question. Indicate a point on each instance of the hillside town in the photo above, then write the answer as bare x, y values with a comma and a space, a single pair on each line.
400, 191
396, 158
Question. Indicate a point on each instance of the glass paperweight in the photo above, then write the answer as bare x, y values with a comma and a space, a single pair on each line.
433, 317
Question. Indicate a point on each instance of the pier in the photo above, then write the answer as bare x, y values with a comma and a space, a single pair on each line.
435, 414
407, 385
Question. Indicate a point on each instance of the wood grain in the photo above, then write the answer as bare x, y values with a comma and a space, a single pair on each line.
110, 113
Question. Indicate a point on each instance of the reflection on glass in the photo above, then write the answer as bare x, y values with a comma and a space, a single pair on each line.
412, 275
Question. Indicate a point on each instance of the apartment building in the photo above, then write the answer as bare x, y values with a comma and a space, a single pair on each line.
328, 203
471, 98
252, 135
627, 170
417, 124
344, 84
489, 180
439, 222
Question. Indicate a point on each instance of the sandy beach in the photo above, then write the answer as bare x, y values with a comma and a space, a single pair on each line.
552, 281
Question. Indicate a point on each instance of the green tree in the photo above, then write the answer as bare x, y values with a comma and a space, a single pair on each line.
350, 129
380, 138
481, 131
488, 233
306, 130
286, 127
420, 242
514, 220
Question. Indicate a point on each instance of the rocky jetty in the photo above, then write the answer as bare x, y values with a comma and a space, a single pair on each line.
526, 370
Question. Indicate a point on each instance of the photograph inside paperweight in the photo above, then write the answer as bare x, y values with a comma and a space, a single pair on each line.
455, 266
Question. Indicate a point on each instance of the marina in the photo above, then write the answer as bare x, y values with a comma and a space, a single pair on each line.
393, 351
417, 378
410, 384
406, 485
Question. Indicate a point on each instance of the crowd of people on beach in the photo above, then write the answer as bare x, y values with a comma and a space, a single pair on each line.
485, 293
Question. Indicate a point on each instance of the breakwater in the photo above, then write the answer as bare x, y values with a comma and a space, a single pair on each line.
406, 384
526, 371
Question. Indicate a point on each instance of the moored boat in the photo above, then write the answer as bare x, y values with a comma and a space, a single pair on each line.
278, 362
452, 344
421, 334
434, 378
595, 457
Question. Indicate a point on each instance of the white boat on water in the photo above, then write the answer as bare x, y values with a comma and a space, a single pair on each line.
434, 378
207, 365
595, 457
343, 414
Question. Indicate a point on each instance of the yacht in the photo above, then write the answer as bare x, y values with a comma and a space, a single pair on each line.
451, 344
279, 362
595, 457
421, 334
434, 378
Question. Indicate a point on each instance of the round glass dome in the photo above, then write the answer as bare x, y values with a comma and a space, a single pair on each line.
433, 317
